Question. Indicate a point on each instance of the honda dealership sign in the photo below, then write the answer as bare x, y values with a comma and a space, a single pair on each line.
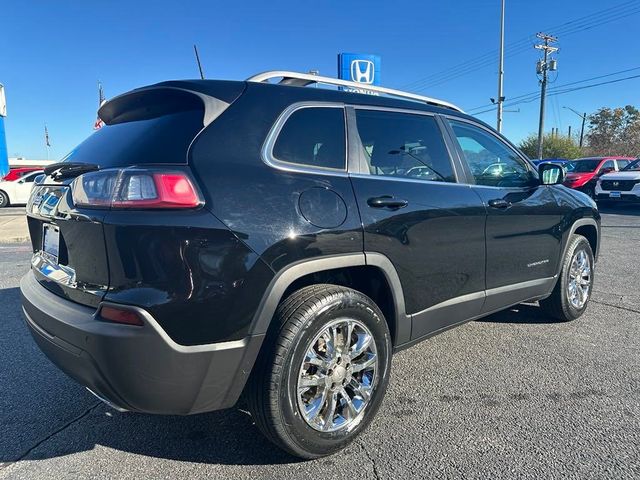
360, 68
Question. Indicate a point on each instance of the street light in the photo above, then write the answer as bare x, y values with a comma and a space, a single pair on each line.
584, 118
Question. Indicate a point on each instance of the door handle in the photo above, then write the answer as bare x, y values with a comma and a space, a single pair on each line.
387, 201
499, 203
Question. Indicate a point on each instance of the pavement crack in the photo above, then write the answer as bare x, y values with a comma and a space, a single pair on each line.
51, 435
616, 306
371, 459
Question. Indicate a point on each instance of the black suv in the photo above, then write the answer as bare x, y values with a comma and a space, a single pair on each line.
220, 238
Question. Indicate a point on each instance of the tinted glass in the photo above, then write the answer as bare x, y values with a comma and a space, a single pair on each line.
633, 166
404, 145
623, 163
30, 177
313, 137
608, 164
583, 166
164, 139
492, 162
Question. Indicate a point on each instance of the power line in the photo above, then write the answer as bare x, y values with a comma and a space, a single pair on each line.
560, 86
560, 92
583, 23
448, 76
571, 27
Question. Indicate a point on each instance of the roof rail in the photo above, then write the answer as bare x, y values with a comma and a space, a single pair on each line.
304, 79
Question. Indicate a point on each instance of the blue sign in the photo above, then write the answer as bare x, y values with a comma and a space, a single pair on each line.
359, 67
4, 157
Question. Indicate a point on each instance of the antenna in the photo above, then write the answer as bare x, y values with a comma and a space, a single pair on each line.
195, 49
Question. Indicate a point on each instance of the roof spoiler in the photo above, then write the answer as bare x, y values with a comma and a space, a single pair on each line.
154, 101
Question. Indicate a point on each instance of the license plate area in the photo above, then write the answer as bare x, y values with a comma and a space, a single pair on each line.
50, 242
614, 194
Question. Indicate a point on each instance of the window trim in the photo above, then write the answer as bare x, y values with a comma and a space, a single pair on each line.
358, 170
470, 177
272, 137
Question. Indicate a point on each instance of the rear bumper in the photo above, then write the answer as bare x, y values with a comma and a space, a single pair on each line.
136, 368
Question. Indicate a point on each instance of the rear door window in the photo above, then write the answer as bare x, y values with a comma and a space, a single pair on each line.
404, 145
313, 137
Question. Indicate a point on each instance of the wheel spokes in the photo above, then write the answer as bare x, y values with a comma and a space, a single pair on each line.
337, 375
362, 343
366, 363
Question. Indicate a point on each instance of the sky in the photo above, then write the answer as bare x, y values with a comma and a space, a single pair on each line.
53, 53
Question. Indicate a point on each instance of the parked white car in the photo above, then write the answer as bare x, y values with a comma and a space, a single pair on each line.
622, 186
17, 192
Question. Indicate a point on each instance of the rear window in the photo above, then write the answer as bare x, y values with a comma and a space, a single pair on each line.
163, 139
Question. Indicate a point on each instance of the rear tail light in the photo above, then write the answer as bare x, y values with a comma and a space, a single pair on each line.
135, 188
120, 315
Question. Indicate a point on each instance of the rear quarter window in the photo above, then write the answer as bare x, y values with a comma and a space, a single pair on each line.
313, 137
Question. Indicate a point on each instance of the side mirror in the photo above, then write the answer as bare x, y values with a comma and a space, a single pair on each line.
606, 170
551, 174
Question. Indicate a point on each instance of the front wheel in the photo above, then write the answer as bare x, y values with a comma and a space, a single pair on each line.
572, 292
590, 190
321, 379
4, 200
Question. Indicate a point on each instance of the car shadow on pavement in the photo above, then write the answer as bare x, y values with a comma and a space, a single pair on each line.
524, 313
46, 414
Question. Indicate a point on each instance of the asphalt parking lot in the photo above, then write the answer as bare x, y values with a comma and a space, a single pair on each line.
512, 395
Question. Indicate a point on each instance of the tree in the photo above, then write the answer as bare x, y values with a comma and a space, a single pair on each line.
614, 131
553, 146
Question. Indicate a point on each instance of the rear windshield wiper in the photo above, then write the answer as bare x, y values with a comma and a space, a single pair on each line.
63, 170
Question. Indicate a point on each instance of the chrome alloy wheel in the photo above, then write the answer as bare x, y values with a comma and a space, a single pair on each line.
579, 279
337, 376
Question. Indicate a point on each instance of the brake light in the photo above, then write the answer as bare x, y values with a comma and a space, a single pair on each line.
135, 188
120, 315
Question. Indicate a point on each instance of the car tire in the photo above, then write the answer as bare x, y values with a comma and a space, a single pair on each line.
4, 199
590, 190
315, 421
571, 294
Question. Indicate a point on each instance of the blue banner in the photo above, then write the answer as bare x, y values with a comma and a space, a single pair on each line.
4, 156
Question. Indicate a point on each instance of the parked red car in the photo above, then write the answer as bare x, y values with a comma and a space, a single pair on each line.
583, 173
18, 173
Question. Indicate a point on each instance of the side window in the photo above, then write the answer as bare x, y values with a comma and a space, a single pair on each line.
29, 178
623, 163
492, 162
609, 164
313, 137
404, 145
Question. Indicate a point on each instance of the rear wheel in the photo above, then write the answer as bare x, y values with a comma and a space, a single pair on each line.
4, 199
572, 292
321, 379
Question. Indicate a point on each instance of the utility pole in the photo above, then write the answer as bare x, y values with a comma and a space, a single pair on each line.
569, 131
583, 116
501, 71
543, 67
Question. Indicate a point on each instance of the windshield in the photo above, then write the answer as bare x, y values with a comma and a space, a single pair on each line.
633, 166
583, 166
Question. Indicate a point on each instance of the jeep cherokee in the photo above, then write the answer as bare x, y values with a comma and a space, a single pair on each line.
220, 238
